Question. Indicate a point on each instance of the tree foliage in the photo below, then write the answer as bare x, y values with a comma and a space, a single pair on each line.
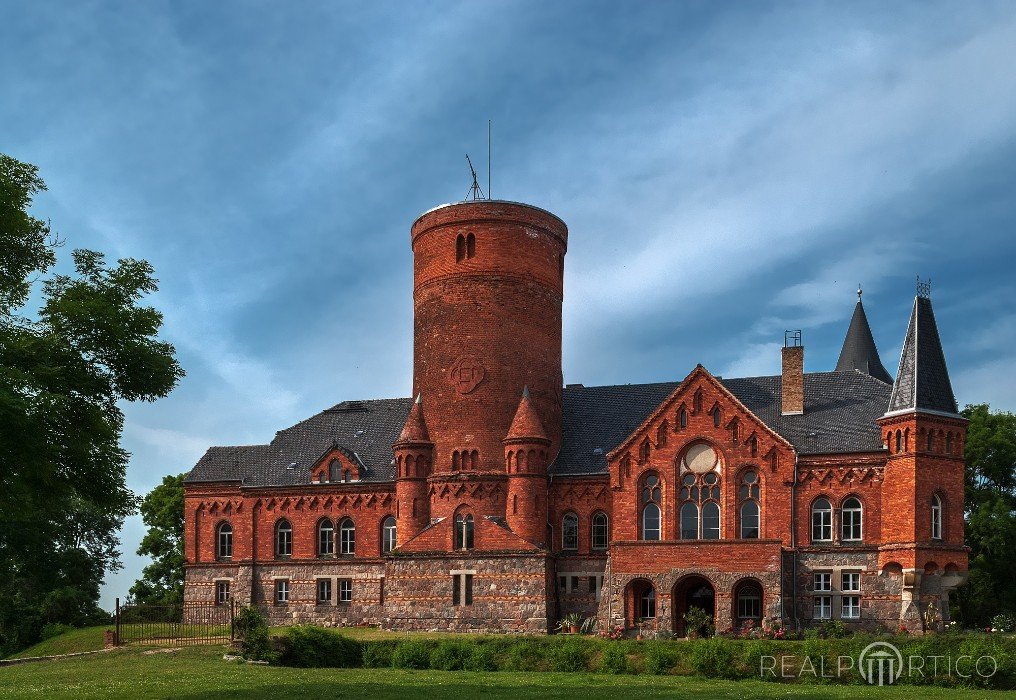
990, 507
161, 581
65, 364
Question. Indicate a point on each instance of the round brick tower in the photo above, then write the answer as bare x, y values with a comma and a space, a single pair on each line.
488, 285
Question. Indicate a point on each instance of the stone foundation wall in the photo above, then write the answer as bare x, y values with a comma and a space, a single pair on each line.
510, 593
880, 591
582, 586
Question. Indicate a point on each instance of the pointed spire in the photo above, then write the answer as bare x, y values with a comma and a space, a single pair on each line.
859, 351
922, 382
526, 423
415, 429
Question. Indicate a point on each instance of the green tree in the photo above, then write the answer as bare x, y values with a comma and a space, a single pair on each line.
161, 581
66, 363
990, 506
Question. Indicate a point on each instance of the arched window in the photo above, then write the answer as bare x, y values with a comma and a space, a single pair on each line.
682, 418
388, 534
644, 450
700, 495
460, 248
463, 531
748, 493
936, 517
906, 440
749, 601
931, 441
651, 499
470, 246
224, 541
347, 537
334, 467
326, 538
948, 443
850, 520
283, 539
601, 532
821, 521
647, 603
899, 441
717, 417
661, 435
570, 532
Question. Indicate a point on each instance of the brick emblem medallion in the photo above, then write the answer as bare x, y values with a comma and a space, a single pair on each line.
466, 374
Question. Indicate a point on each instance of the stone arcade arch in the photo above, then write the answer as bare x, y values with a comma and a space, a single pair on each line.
690, 591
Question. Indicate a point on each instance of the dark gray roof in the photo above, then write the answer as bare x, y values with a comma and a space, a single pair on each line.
922, 381
363, 430
840, 409
859, 351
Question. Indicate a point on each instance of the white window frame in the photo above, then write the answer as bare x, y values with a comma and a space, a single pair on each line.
223, 591
345, 586
936, 517
281, 591
317, 591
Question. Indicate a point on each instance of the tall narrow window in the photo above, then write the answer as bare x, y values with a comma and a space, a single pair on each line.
931, 442
651, 499
470, 246
717, 417
224, 542
700, 506
283, 539
347, 537
851, 599
821, 521
823, 603
281, 591
748, 493
345, 590
326, 538
462, 589
463, 531
388, 533
948, 443
460, 248
682, 418
334, 470
222, 594
749, 601
899, 441
647, 603
324, 591
570, 532
661, 434
936, 517
600, 531
850, 515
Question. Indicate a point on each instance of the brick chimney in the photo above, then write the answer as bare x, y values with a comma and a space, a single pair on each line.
792, 397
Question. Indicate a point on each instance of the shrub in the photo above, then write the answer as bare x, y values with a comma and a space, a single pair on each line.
1003, 622
714, 658
570, 655
252, 631
305, 646
378, 653
411, 654
450, 655
614, 659
482, 657
698, 622
523, 655
55, 629
660, 659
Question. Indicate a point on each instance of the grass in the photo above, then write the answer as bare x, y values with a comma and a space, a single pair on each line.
84, 639
200, 672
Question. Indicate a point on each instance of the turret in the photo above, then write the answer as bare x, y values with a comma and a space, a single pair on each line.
859, 351
414, 453
922, 485
525, 458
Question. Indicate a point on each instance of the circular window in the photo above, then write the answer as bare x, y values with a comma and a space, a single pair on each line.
701, 458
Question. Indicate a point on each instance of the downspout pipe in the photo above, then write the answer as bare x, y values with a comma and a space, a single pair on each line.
793, 541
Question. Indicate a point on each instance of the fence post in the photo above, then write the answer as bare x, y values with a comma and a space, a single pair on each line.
232, 617
117, 642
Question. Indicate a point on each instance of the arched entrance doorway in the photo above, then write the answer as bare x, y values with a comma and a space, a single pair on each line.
640, 603
692, 592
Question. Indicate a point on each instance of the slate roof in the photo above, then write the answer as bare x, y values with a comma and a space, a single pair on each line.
922, 381
859, 351
839, 417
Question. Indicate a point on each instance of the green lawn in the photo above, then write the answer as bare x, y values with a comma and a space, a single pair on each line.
200, 672
84, 639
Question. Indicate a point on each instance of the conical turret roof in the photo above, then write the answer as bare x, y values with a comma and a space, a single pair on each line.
922, 382
526, 423
415, 428
859, 351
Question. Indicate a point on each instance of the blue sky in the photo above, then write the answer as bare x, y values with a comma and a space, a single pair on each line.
727, 171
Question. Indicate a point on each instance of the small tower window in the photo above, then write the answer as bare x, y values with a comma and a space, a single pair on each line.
463, 531
899, 441
388, 534
717, 417
682, 418
948, 443
460, 248
936, 517
931, 441
570, 532
224, 546
470, 246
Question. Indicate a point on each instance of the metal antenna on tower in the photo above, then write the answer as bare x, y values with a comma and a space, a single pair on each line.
490, 192
474, 192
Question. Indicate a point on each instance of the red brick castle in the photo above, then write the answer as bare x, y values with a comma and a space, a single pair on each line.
500, 500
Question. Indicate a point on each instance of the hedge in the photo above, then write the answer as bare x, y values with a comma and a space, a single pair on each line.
307, 646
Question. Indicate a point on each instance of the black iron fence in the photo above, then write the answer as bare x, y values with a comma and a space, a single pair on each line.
184, 623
